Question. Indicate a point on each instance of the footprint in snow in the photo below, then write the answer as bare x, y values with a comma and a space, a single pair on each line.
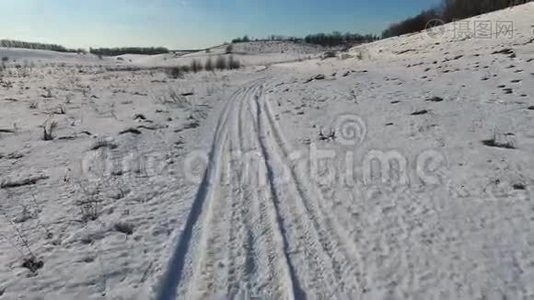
420, 112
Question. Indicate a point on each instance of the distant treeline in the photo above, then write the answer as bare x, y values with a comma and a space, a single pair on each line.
244, 39
337, 39
221, 63
96, 51
448, 11
323, 39
273, 37
39, 46
128, 50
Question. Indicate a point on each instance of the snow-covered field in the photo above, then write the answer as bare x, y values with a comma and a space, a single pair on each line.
404, 170
248, 54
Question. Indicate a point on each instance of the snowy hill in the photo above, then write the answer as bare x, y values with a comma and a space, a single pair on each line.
511, 27
265, 47
18, 55
402, 169
249, 54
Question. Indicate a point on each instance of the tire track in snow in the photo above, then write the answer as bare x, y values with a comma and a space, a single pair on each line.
272, 275
216, 255
270, 195
276, 239
312, 265
239, 216
208, 251
210, 259
173, 276
243, 253
334, 238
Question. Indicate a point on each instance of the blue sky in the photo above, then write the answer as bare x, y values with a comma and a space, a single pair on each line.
180, 24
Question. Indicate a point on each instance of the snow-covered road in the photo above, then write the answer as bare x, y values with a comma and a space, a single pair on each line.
244, 183
256, 225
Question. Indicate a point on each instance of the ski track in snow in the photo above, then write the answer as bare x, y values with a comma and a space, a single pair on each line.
256, 226
259, 224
